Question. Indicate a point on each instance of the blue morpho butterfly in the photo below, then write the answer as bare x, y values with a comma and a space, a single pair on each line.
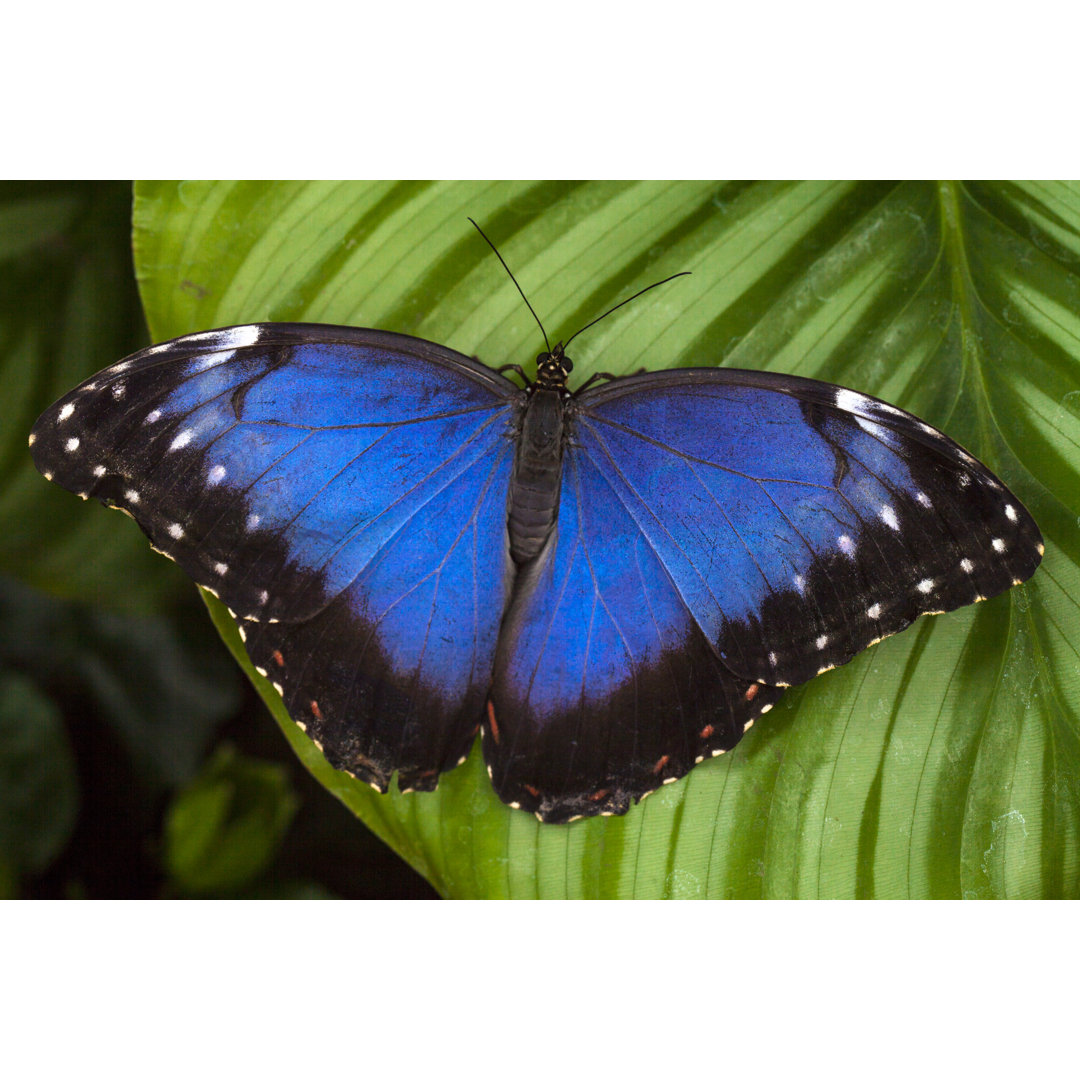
612, 583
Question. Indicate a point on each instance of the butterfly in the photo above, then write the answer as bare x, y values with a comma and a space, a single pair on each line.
610, 585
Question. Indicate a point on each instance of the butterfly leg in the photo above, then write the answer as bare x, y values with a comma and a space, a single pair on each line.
594, 378
516, 368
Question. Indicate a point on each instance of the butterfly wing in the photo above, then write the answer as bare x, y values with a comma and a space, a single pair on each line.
802, 521
723, 534
344, 492
605, 687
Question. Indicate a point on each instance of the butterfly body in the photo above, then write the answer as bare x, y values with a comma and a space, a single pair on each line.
612, 585
537, 476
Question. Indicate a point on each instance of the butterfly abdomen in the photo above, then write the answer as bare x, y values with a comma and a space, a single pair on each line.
534, 486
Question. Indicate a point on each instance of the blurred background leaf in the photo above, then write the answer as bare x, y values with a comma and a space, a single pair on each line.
943, 762
38, 788
223, 829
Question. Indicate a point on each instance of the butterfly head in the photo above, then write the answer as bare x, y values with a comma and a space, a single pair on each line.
553, 369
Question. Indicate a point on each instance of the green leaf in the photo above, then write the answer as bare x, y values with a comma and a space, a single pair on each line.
39, 793
222, 831
68, 307
942, 762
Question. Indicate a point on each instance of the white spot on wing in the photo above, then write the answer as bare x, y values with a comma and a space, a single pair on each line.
216, 474
888, 515
855, 404
849, 400
874, 611
926, 585
175, 531
998, 544
967, 565
845, 544
1010, 512
253, 520
964, 480
923, 499
221, 569
99, 470
131, 495
213, 360
237, 337
182, 439
151, 417
71, 445
31, 440
65, 412
118, 390
800, 582
821, 642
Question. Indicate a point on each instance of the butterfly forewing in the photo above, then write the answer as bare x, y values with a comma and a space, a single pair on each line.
800, 521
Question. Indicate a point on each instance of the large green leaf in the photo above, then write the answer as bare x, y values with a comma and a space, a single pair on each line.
943, 762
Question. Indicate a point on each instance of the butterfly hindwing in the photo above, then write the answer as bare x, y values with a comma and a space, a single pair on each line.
605, 687
343, 492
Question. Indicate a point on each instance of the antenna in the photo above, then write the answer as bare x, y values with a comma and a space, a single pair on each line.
562, 347
655, 284
516, 285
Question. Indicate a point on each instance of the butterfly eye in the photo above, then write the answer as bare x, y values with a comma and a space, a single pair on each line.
567, 364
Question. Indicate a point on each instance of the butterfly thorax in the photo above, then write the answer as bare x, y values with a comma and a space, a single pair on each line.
534, 487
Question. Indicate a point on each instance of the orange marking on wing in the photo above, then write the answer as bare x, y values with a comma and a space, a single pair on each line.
660, 764
533, 791
278, 658
316, 711
596, 796
491, 720
751, 692
706, 731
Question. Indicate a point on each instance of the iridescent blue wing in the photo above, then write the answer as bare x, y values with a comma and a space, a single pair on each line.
605, 686
344, 492
723, 534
